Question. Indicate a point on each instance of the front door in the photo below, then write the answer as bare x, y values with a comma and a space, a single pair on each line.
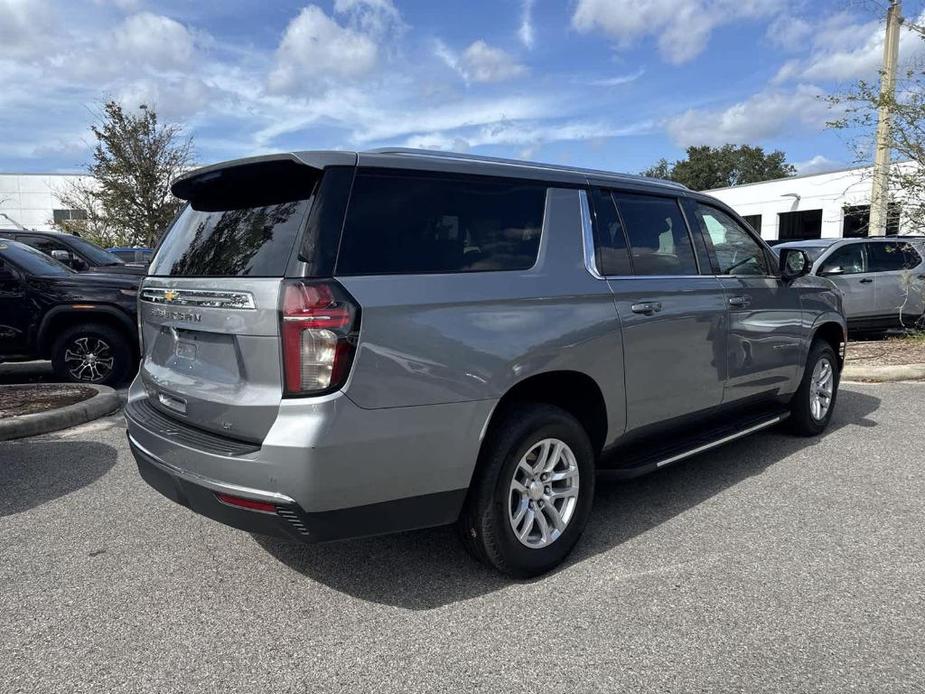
847, 268
673, 318
764, 336
14, 313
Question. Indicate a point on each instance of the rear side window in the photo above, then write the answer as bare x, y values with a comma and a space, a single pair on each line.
889, 257
658, 237
400, 223
610, 240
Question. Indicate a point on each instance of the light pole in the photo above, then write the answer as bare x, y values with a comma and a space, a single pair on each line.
879, 194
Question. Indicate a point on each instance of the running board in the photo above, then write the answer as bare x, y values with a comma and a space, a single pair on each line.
641, 464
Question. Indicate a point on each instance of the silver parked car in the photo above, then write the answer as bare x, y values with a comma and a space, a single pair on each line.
344, 344
882, 280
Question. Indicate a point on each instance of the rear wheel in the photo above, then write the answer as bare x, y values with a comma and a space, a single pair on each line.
92, 353
812, 405
532, 495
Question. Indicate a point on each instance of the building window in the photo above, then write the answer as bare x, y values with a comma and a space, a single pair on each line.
62, 216
805, 224
857, 220
754, 221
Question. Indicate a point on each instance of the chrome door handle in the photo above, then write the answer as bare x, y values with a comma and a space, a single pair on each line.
647, 308
866, 280
739, 301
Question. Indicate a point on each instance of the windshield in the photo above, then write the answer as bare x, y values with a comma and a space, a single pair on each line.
95, 255
32, 261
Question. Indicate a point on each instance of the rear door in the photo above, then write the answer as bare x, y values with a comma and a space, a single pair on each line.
846, 266
896, 267
764, 315
673, 317
209, 308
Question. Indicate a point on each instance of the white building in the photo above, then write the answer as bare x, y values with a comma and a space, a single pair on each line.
31, 200
826, 205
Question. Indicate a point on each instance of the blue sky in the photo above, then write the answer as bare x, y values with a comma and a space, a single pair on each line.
613, 84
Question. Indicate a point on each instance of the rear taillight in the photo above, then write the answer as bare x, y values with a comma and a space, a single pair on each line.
319, 327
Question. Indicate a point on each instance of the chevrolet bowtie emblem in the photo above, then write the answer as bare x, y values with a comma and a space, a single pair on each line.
170, 295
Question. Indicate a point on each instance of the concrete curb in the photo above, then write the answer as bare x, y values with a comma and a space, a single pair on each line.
883, 374
106, 401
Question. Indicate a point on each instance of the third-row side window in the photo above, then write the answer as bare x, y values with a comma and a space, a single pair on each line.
412, 223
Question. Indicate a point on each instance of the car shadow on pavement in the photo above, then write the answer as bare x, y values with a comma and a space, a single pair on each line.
426, 569
32, 473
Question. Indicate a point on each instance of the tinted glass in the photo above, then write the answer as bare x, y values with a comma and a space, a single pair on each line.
735, 250
246, 241
609, 239
847, 260
413, 223
93, 253
888, 257
33, 261
659, 242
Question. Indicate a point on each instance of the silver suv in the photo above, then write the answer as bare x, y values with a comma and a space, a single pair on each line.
882, 280
344, 344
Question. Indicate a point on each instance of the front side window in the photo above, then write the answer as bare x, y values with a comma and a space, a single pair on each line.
735, 250
890, 257
403, 223
847, 260
658, 237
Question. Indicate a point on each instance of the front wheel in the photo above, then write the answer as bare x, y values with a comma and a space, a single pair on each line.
532, 494
812, 405
92, 354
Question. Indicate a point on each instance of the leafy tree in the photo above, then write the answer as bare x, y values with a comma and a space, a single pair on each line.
135, 159
858, 113
719, 167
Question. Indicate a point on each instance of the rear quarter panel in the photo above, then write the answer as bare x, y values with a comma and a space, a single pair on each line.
444, 338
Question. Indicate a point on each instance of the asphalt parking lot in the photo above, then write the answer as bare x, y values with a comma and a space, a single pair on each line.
773, 564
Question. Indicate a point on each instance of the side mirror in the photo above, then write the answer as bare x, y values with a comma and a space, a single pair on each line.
833, 270
794, 263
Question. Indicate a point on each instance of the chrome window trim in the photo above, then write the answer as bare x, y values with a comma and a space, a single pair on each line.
587, 236
201, 298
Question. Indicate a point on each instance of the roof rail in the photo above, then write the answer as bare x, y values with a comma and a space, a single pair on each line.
437, 154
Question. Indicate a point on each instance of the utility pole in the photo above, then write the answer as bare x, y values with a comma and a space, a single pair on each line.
880, 193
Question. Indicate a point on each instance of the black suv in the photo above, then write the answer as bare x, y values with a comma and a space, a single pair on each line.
75, 252
83, 322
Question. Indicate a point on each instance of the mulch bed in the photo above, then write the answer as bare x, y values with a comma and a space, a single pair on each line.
29, 399
892, 351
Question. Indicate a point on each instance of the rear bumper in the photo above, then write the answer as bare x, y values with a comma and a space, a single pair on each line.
290, 521
331, 470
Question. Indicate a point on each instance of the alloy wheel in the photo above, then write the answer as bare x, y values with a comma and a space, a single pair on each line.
89, 359
543, 493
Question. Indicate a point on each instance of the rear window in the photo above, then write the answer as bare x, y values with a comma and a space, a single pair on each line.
241, 221
417, 223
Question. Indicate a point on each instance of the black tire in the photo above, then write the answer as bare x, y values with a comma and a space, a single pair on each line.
485, 524
103, 340
801, 420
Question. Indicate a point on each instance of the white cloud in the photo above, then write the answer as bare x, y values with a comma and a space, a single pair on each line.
525, 32
316, 48
525, 134
682, 27
481, 62
155, 40
24, 28
759, 117
377, 18
618, 80
789, 32
816, 164
844, 49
